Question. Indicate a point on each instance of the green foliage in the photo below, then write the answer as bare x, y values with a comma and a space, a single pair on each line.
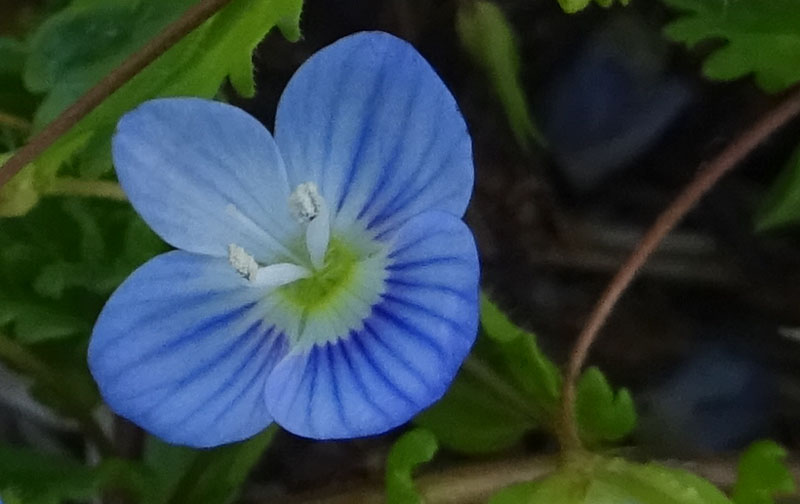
207, 477
781, 205
21, 193
489, 38
573, 6
759, 38
33, 478
14, 98
61, 246
602, 414
64, 63
508, 387
412, 449
612, 481
763, 474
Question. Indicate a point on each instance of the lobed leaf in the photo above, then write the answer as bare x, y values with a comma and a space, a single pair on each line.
412, 449
757, 38
763, 474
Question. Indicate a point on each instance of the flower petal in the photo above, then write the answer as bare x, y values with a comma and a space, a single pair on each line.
408, 350
371, 123
182, 350
204, 175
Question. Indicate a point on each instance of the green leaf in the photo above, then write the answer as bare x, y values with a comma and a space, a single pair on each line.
14, 98
614, 481
489, 38
759, 38
781, 205
35, 478
67, 246
508, 387
602, 414
573, 6
216, 476
196, 66
763, 474
412, 449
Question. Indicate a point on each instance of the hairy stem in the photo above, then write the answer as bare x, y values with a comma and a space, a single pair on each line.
168, 37
30, 365
64, 186
666, 221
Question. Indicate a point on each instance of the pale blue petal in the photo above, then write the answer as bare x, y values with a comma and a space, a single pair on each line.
408, 350
204, 175
371, 123
182, 349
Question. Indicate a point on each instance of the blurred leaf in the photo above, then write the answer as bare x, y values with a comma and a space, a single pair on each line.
522, 357
760, 38
196, 66
412, 449
489, 38
508, 387
505, 388
35, 478
600, 480
781, 205
573, 6
14, 98
20, 194
602, 414
763, 474
168, 464
216, 476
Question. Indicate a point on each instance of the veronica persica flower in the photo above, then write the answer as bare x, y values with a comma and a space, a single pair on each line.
323, 278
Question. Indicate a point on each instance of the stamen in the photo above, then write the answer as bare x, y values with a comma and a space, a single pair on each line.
308, 206
242, 262
276, 275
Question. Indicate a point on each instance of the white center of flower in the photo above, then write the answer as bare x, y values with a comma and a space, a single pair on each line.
311, 211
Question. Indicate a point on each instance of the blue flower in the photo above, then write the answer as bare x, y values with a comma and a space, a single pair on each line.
323, 279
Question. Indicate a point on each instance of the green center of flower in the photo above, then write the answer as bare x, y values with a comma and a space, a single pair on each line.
324, 286
326, 291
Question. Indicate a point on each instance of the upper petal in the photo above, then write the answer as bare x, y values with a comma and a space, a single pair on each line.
204, 175
406, 352
371, 122
182, 349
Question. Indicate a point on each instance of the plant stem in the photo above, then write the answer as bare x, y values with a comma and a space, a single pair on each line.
666, 221
28, 363
476, 482
64, 186
15, 122
158, 45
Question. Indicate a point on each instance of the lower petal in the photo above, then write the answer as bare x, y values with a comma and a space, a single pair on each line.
403, 356
182, 349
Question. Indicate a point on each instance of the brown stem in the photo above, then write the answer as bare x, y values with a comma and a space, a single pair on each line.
475, 482
169, 36
669, 218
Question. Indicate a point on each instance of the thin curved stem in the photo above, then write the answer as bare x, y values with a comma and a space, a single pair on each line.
64, 186
168, 37
666, 221
15, 122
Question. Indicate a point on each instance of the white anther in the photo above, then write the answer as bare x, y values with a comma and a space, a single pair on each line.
242, 262
305, 202
308, 206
